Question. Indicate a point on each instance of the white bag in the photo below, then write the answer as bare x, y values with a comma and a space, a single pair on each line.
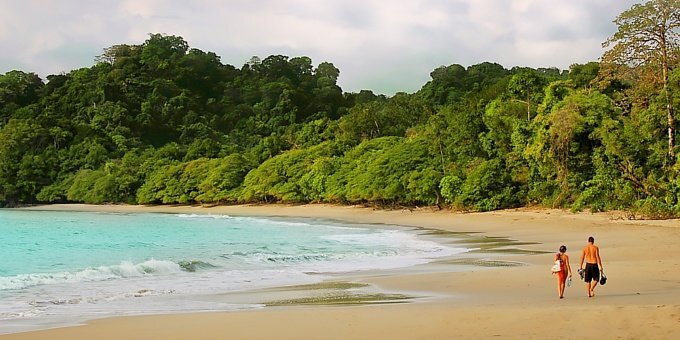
557, 267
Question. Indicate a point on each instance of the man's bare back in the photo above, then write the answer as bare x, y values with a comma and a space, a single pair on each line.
591, 253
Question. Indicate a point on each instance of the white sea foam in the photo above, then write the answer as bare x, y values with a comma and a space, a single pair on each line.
123, 270
204, 216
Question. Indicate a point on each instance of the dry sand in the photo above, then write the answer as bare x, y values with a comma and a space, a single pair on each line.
640, 300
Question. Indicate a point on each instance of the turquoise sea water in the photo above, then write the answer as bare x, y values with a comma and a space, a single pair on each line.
57, 266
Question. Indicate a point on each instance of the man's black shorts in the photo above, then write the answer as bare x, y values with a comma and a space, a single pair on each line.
592, 272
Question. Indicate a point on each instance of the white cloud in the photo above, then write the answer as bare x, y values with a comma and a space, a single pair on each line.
381, 45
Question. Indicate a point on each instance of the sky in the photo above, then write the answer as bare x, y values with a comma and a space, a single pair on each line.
383, 45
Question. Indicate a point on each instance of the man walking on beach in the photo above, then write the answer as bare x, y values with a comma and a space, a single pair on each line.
591, 255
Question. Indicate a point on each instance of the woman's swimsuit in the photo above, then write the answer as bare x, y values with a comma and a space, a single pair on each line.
562, 274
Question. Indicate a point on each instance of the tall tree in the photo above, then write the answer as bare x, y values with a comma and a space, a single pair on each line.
17, 89
526, 85
648, 36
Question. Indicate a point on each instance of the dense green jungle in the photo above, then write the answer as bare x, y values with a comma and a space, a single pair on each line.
163, 123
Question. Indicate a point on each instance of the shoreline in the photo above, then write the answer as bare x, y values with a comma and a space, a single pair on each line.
642, 298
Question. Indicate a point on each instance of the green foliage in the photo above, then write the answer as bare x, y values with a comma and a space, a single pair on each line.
286, 177
454, 135
565, 141
314, 132
488, 187
450, 188
378, 119
94, 187
647, 43
387, 170
223, 180
607, 190
163, 123
655, 208
451, 84
526, 87
583, 75
501, 119
23, 168
17, 89
175, 183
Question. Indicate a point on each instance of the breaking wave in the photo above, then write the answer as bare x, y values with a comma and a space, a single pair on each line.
125, 269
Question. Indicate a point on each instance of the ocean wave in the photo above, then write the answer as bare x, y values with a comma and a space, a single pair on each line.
23, 314
206, 216
192, 266
123, 270
296, 258
314, 224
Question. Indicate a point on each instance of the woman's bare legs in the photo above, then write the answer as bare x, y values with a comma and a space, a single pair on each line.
560, 287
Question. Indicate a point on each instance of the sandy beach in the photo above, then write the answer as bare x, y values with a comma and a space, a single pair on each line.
640, 300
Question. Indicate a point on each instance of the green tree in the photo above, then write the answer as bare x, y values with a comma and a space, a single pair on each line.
23, 169
566, 139
526, 86
285, 177
224, 179
583, 75
648, 37
17, 89
488, 187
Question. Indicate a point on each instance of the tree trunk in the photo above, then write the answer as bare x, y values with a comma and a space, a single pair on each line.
669, 102
528, 108
441, 153
671, 129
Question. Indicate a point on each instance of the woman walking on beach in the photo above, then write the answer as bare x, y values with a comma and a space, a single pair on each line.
564, 272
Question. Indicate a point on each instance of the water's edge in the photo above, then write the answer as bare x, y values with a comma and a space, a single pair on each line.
339, 288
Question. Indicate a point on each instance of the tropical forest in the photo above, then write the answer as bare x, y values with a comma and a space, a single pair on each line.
164, 123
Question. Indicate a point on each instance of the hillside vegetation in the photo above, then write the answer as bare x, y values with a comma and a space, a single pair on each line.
162, 123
